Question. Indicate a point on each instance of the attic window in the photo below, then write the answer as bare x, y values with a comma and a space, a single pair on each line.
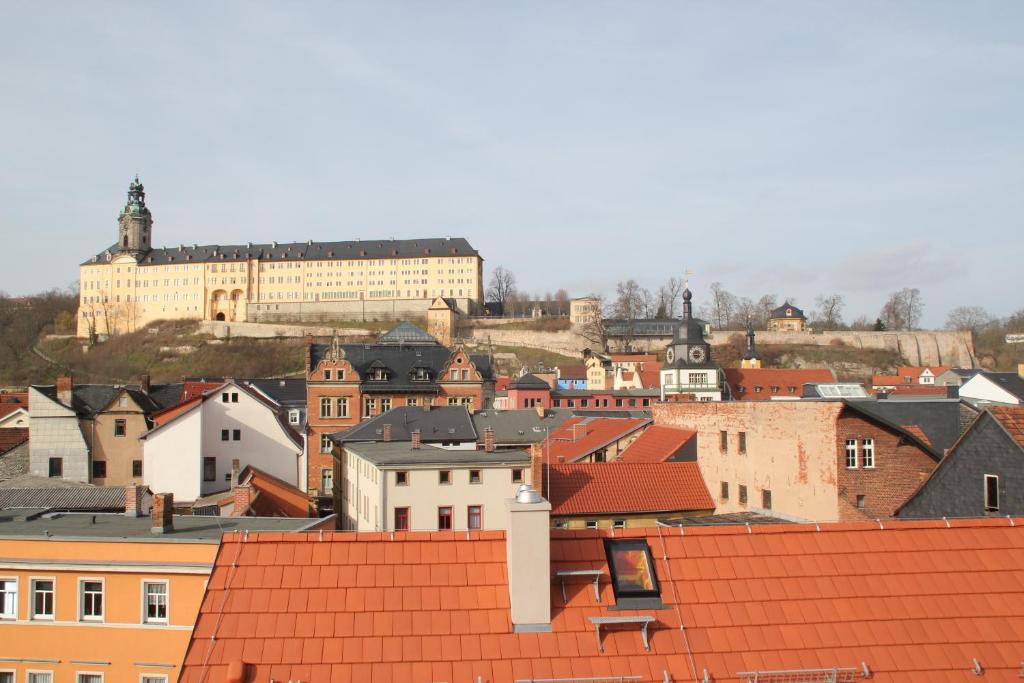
632, 569
421, 375
379, 374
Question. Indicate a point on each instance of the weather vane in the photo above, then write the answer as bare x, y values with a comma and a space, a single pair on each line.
686, 277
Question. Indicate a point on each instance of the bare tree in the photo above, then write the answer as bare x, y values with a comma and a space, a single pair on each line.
593, 330
721, 308
902, 311
973, 318
669, 297
765, 305
562, 302
746, 310
631, 301
830, 310
502, 284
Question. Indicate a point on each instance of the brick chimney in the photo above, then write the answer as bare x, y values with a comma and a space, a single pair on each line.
64, 385
243, 497
528, 555
163, 513
387, 432
235, 469
537, 466
133, 496
489, 439
579, 431
144, 383
416, 438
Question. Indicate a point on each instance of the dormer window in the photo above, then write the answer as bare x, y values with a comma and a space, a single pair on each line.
634, 579
379, 374
421, 374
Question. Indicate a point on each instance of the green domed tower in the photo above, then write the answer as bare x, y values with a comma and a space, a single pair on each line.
135, 222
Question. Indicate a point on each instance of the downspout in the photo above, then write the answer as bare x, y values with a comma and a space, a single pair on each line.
303, 473
382, 519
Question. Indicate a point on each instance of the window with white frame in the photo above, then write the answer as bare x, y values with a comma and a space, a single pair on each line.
8, 598
868, 453
154, 595
39, 677
293, 417
7, 676
153, 678
42, 598
90, 600
326, 480
325, 444
851, 454
89, 678
991, 493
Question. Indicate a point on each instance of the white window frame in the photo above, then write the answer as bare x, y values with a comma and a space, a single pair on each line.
79, 674
32, 598
12, 672
29, 673
82, 580
17, 586
145, 602
293, 417
325, 440
854, 452
867, 453
988, 506
152, 678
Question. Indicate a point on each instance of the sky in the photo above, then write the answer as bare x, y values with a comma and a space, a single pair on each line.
794, 148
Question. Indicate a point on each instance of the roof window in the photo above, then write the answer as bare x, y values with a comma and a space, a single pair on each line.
634, 579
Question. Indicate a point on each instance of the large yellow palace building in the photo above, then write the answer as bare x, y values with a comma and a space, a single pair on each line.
131, 284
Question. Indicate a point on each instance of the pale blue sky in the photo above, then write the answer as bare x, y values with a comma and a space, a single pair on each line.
797, 148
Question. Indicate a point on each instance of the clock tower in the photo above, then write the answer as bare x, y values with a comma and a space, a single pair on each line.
688, 369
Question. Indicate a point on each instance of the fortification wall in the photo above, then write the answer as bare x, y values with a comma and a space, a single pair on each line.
223, 330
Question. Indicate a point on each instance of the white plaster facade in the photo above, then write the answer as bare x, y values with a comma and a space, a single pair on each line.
54, 432
15, 419
174, 452
982, 388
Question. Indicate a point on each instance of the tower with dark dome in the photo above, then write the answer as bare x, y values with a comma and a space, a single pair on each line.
688, 369
135, 224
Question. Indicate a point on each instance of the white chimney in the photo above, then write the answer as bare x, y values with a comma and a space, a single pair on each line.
528, 551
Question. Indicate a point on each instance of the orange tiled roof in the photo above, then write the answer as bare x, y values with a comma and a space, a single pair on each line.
915, 371
915, 601
1012, 419
596, 434
886, 380
501, 383
12, 437
766, 378
634, 357
275, 497
593, 488
916, 431
651, 379
572, 371
657, 444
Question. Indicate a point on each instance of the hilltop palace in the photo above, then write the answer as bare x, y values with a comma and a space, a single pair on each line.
130, 283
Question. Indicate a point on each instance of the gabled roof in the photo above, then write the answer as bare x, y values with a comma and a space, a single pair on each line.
440, 423
87, 400
519, 426
571, 442
528, 381
790, 382
13, 401
572, 372
274, 497
400, 359
406, 333
786, 310
937, 420
912, 601
12, 437
657, 444
288, 392
597, 488
1010, 382
85, 498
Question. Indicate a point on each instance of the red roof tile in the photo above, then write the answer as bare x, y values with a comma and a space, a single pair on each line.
578, 437
915, 601
634, 358
1012, 419
656, 444
572, 371
501, 383
12, 401
590, 488
275, 497
12, 437
651, 379
790, 381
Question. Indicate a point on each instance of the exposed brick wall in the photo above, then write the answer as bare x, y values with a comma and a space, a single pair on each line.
900, 467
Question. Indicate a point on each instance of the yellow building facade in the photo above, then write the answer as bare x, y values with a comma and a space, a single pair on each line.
131, 284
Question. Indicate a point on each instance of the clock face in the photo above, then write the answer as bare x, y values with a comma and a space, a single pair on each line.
670, 355
697, 354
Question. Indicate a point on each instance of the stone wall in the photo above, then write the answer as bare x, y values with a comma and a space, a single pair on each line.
327, 311
223, 330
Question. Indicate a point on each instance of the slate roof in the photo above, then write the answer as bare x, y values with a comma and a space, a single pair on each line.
598, 433
598, 488
790, 381
913, 601
12, 437
89, 399
400, 360
938, 420
297, 251
384, 454
780, 312
286, 392
519, 426
406, 333
528, 381
440, 423
657, 444
86, 498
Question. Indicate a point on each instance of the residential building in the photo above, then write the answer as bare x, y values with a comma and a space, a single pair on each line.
908, 376
14, 409
624, 495
518, 428
348, 383
821, 460
585, 310
443, 426
14, 452
107, 596
689, 372
787, 318
604, 400
705, 603
773, 384
442, 318
391, 486
528, 391
190, 453
987, 388
981, 475
90, 432
571, 377
131, 283
592, 439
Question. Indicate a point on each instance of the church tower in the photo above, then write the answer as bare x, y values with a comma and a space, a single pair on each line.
689, 373
135, 224
750, 358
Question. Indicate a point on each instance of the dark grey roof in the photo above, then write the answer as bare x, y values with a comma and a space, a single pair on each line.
1008, 381
938, 419
528, 381
89, 399
80, 498
780, 312
406, 333
442, 423
400, 361
519, 426
298, 251
660, 327
399, 454
286, 392
115, 525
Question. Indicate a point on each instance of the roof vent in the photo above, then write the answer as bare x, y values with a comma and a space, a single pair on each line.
527, 494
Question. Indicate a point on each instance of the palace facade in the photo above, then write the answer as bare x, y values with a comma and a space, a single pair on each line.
130, 283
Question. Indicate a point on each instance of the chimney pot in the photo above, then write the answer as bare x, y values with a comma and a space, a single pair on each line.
416, 438
144, 384
489, 439
65, 383
163, 513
